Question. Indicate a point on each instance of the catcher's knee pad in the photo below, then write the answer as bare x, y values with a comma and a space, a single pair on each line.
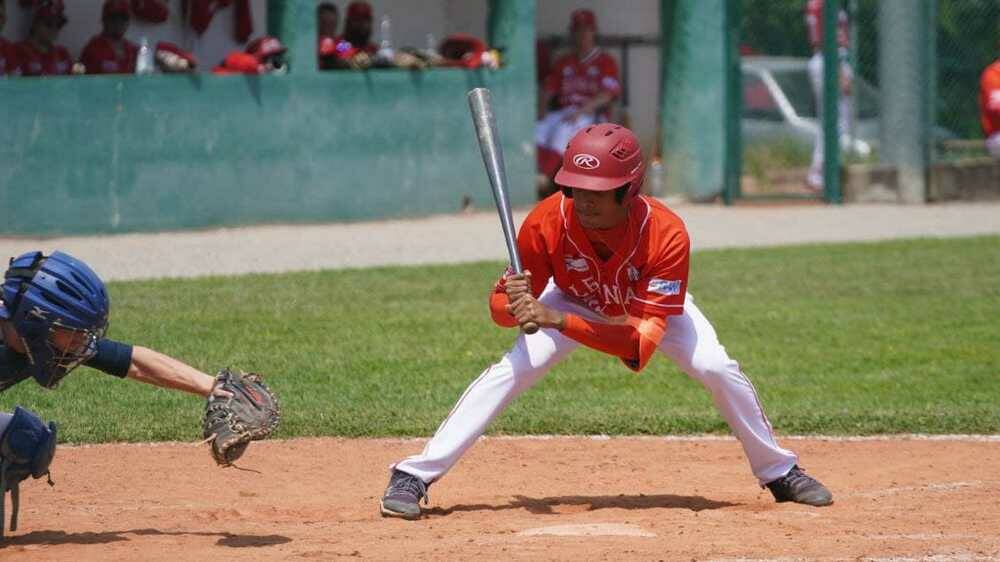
27, 447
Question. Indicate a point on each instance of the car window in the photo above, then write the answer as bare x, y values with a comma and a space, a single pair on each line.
797, 88
758, 103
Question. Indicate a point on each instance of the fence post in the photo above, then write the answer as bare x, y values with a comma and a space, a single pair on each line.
903, 85
294, 23
831, 102
732, 12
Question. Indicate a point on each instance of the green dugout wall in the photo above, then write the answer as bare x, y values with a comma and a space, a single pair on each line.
107, 154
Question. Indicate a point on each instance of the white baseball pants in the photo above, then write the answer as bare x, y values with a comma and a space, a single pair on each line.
690, 341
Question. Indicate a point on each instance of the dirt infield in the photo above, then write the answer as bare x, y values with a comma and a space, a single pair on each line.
515, 499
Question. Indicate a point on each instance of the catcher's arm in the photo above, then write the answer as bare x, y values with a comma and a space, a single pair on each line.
155, 368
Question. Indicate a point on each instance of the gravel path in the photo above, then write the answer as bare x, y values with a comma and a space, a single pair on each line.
476, 236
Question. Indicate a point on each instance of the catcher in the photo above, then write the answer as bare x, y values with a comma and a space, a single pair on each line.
53, 316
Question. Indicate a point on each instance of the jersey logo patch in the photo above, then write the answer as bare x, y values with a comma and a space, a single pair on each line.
576, 264
586, 161
633, 273
667, 288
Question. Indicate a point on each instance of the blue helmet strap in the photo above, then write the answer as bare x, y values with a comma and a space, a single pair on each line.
26, 274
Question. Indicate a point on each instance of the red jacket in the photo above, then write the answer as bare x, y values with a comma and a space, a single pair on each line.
101, 57
989, 99
33, 62
8, 58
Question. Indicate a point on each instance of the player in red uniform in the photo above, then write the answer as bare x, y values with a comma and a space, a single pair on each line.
606, 268
814, 25
110, 52
584, 82
39, 55
989, 105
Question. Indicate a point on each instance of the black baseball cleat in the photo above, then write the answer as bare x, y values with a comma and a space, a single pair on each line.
402, 496
799, 487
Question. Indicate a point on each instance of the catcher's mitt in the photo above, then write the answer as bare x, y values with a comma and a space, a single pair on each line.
231, 423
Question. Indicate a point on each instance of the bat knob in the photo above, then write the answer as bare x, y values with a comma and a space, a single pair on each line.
530, 328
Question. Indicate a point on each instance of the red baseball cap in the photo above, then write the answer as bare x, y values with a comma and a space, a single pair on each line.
359, 11
115, 7
51, 10
265, 46
601, 158
583, 19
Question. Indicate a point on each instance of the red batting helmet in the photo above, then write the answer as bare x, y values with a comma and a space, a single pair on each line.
264, 47
602, 158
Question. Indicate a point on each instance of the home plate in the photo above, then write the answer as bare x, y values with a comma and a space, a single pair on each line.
589, 530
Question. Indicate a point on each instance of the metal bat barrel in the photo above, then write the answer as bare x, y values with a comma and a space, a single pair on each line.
481, 106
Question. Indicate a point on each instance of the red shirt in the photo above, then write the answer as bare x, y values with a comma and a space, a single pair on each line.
33, 62
577, 80
814, 24
8, 58
642, 283
101, 57
989, 99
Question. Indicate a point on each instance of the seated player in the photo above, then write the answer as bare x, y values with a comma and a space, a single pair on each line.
606, 268
39, 55
110, 52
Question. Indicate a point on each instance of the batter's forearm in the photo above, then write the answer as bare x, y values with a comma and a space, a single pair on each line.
155, 368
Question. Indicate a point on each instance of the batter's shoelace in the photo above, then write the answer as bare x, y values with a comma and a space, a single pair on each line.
407, 483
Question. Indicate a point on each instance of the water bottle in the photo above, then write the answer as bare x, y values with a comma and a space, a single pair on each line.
144, 60
385, 54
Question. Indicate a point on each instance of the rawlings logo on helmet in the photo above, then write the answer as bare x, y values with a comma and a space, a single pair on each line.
586, 161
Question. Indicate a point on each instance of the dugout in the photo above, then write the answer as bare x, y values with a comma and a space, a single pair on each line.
123, 153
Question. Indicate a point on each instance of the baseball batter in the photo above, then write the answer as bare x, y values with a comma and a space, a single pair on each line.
53, 316
606, 268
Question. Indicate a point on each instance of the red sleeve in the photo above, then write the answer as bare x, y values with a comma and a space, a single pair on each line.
534, 258
660, 292
634, 342
609, 76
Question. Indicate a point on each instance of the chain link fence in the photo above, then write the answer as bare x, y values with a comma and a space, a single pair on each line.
780, 106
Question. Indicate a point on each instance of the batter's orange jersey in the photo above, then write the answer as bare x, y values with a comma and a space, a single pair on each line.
645, 278
989, 99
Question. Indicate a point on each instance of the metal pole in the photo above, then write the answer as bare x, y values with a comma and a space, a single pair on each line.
831, 99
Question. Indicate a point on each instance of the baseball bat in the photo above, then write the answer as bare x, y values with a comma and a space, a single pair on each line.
481, 106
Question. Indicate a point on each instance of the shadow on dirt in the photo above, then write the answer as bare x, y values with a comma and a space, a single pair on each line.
60, 537
550, 505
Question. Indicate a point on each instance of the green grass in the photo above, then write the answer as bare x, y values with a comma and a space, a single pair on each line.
839, 339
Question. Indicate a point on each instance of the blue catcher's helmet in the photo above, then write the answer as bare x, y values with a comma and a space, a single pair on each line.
55, 297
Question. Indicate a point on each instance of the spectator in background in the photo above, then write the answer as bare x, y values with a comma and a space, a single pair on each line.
585, 82
358, 27
814, 26
110, 52
7, 61
39, 55
327, 22
989, 105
